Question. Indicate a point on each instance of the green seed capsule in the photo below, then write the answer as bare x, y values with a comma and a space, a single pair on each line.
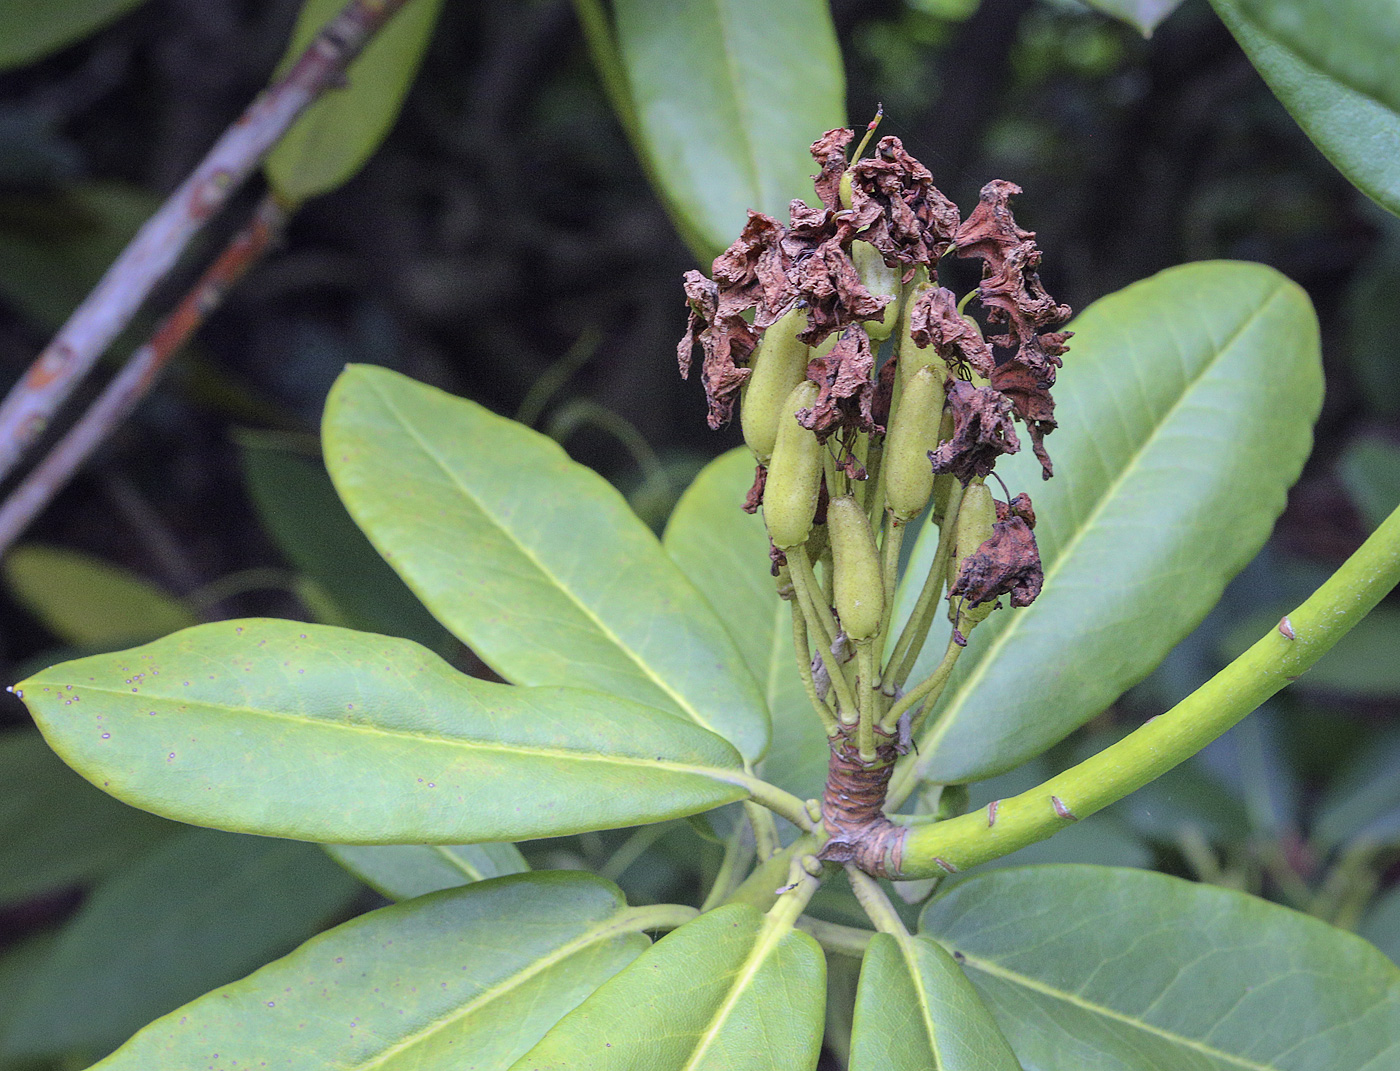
912, 357
778, 364
857, 588
913, 433
882, 281
794, 473
976, 516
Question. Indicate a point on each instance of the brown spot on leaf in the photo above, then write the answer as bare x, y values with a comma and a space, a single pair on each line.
982, 432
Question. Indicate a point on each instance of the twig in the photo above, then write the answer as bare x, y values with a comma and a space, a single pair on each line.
132, 383
105, 312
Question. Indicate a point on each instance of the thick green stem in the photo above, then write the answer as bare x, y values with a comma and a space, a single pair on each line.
774, 798
911, 639
875, 903
765, 832
813, 604
865, 668
1275, 661
654, 917
738, 850
926, 692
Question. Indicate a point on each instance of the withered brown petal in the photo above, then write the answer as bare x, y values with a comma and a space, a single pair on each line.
982, 432
847, 390
829, 151
898, 209
752, 273
934, 321
754, 498
1007, 563
828, 282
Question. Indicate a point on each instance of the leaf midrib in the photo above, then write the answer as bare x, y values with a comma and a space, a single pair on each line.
527, 553
996, 970
618, 925
929, 745
767, 939
714, 773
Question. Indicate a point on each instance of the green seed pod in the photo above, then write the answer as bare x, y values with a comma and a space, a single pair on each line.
914, 429
976, 516
881, 280
779, 363
857, 587
912, 357
794, 473
843, 189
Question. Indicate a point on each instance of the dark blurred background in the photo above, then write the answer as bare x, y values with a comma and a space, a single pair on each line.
504, 244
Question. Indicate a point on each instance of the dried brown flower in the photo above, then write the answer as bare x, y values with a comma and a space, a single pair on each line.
982, 432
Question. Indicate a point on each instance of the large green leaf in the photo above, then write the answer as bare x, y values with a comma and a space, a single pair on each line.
338, 133
466, 978
199, 911
728, 96
87, 602
1331, 94
1364, 804
916, 1011
31, 29
403, 871
533, 560
724, 552
56, 829
1128, 970
1370, 468
299, 507
726, 992
1185, 409
321, 733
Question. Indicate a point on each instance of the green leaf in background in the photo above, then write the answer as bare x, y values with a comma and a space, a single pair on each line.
403, 871
199, 911
1382, 925
729, 95
1372, 323
1356, 41
1143, 15
724, 552
86, 602
1364, 803
474, 974
56, 830
54, 247
725, 992
531, 559
31, 29
1185, 408
337, 134
916, 1011
1357, 131
1370, 468
320, 733
300, 509
1127, 970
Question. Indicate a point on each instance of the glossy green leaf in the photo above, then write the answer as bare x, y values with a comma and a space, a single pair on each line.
300, 509
1364, 803
1143, 15
199, 911
528, 557
31, 29
466, 978
403, 871
724, 992
729, 95
1334, 103
56, 830
916, 1011
1382, 925
320, 733
86, 602
1128, 970
1370, 468
724, 552
337, 134
1185, 409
